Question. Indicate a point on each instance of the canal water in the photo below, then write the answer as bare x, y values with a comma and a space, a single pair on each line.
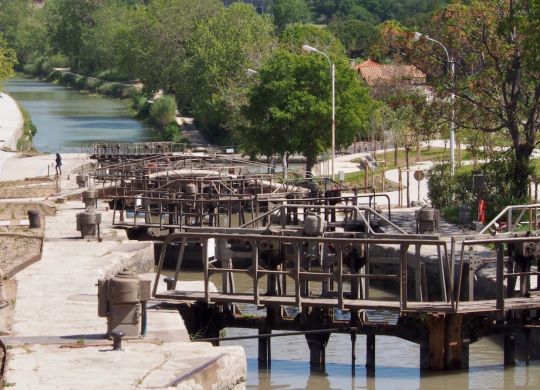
397, 361
68, 119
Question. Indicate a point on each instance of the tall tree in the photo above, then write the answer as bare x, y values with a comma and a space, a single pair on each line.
290, 108
157, 37
357, 36
290, 11
67, 22
497, 80
7, 60
218, 55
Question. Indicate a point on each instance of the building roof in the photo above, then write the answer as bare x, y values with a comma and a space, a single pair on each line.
377, 74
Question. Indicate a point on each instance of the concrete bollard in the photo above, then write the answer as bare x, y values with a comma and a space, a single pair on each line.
33, 219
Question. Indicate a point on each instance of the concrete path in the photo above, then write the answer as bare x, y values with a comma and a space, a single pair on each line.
57, 338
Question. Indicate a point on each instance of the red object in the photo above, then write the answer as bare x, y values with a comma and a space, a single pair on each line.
482, 211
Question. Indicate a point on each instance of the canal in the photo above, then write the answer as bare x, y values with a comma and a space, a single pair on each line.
397, 361
67, 119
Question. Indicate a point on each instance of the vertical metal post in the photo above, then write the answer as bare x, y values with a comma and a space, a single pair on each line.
500, 276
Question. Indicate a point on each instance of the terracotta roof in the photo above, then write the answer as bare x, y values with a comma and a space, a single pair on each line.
376, 74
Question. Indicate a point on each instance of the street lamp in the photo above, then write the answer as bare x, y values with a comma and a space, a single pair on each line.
311, 49
450, 61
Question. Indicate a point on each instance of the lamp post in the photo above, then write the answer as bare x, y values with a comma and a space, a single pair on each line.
451, 62
311, 49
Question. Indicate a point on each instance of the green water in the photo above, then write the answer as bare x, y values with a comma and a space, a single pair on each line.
397, 362
68, 120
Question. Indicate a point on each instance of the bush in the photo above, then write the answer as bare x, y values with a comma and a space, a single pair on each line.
58, 61
30, 69
163, 111
93, 84
67, 79
172, 132
80, 82
448, 193
54, 75
111, 75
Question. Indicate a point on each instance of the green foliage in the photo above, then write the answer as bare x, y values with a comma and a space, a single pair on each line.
289, 12
7, 60
68, 79
220, 51
111, 75
114, 89
54, 75
29, 131
296, 35
357, 36
155, 39
172, 132
163, 111
80, 82
92, 84
290, 108
447, 192
67, 23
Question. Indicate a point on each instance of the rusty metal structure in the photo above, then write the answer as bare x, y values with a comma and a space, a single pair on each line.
315, 253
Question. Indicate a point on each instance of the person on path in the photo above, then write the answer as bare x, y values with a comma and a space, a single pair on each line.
58, 166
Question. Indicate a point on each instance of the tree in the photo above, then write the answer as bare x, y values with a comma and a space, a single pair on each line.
214, 75
290, 11
497, 83
156, 38
23, 26
7, 60
356, 36
290, 108
67, 22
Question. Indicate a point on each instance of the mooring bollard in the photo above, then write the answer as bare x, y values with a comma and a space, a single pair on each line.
33, 219
117, 340
170, 283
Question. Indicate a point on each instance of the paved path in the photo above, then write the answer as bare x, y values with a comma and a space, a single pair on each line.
57, 340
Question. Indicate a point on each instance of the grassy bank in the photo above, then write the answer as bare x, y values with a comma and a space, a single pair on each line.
24, 144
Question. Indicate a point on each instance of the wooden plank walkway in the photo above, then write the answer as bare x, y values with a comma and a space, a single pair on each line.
465, 307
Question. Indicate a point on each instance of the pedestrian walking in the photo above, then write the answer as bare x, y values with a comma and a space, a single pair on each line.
58, 166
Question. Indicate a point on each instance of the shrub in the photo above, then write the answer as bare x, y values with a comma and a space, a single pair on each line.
80, 82
163, 111
172, 132
448, 193
67, 79
93, 84
54, 75
111, 75
138, 101
30, 69
58, 61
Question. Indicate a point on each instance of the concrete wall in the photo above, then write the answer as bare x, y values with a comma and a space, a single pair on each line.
11, 122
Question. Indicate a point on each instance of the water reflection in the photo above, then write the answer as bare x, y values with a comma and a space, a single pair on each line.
67, 118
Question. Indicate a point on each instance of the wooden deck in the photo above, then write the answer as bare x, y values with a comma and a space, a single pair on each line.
465, 307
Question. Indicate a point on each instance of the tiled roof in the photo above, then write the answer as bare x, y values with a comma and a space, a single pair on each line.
376, 74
